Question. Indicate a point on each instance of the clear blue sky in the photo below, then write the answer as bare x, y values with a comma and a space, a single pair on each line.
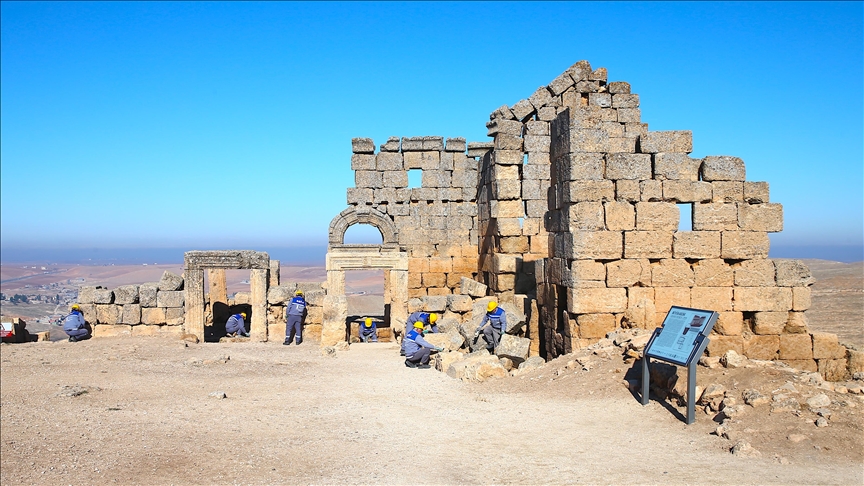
229, 125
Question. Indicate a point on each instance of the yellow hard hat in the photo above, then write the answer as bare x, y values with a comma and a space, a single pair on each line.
418, 325
243, 314
368, 322
433, 317
76, 307
299, 292
491, 306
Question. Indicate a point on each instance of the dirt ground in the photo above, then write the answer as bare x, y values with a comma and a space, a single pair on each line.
142, 411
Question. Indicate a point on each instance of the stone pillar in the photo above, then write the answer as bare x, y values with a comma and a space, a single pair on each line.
534, 330
274, 273
194, 322
335, 282
398, 283
335, 315
258, 283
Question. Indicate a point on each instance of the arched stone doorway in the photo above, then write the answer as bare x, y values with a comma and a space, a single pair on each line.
341, 257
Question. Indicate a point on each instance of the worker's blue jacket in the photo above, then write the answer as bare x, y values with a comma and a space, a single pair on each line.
297, 306
421, 317
497, 318
366, 331
74, 321
235, 323
413, 341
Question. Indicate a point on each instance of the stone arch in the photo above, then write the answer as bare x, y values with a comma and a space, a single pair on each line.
364, 215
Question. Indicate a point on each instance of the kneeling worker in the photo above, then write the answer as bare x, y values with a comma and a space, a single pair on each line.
417, 349
74, 325
237, 325
368, 331
493, 326
428, 319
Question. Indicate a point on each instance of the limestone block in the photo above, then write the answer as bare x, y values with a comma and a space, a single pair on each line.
580, 166
392, 145
627, 273
722, 168
363, 162
477, 368
175, 316
459, 303
165, 298
542, 97
560, 84
537, 143
595, 325
514, 348
506, 189
855, 361
589, 190
796, 346
739, 245
667, 141
464, 178
440, 265
450, 340
111, 331
625, 100
760, 217
629, 116
368, 179
833, 369
533, 127
756, 192
777, 299
666, 297
628, 166
335, 312
619, 87
696, 244
472, 288
148, 331
361, 146
754, 273
501, 125
801, 364
507, 209
793, 273
505, 263
729, 323
152, 315
89, 311
513, 244
359, 196
715, 217
719, 345
656, 216
600, 245
800, 298
712, 298
412, 144
770, 323
434, 280
651, 190
647, 244
455, 144
98, 295
826, 346
87, 294
395, 178
535, 189
465, 265
687, 191
727, 191
641, 312
280, 294
535, 172
422, 160
797, 323
596, 300
479, 149
131, 314
505, 141
588, 140
627, 191
536, 208
108, 313
170, 281
436, 178
314, 315
586, 215
126, 294
619, 215
762, 347
433, 143
147, 294
672, 273
676, 166
713, 273
587, 270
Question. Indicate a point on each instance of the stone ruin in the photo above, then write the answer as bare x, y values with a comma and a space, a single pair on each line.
570, 215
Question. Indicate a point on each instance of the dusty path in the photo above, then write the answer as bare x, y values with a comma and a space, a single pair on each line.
294, 416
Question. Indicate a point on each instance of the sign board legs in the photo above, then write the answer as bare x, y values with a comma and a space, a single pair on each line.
646, 378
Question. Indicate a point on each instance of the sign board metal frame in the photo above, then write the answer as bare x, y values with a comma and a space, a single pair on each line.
681, 341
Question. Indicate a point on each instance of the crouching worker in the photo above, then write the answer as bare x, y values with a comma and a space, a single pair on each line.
493, 326
417, 349
74, 325
236, 324
368, 331
428, 320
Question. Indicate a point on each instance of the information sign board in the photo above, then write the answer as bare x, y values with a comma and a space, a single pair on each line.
683, 331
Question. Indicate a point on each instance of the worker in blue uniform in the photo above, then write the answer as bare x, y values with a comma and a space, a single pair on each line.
493, 326
368, 331
74, 326
294, 315
428, 319
236, 324
417, 349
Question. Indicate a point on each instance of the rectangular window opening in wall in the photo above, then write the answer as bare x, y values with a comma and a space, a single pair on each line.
685, 220
415, 178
